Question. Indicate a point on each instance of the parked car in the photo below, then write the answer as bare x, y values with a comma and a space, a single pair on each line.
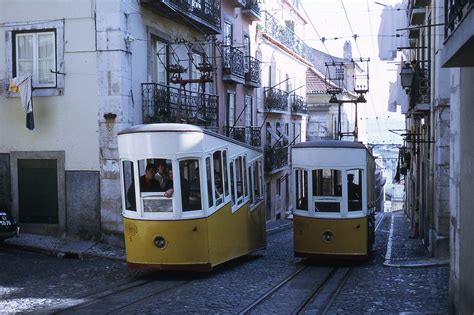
8, 226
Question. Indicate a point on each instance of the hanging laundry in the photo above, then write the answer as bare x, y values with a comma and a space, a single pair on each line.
25, 89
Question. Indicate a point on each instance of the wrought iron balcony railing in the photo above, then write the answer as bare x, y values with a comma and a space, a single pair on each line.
454, 12
244, 134
233, 63
287, 37
207, 10
275, 158
162, 103
252, 9
298, 104
252, 71
276, 99
421, 90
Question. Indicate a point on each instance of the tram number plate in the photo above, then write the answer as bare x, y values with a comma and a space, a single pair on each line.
4, 221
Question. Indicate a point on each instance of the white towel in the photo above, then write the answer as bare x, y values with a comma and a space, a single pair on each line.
24, 83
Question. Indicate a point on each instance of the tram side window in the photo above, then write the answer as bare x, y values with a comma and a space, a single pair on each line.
190, 185
328, 183
354, 190
244, 170
239, 179
301, 189
218, 177
257, 175
128, 182
251, 191
226, 180
209, 182
232, 185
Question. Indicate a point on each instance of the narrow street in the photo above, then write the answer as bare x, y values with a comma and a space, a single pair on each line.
269, 281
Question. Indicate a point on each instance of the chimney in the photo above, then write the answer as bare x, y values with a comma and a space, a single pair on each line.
347, 53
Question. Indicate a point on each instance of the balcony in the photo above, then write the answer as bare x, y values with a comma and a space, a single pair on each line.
232, 64
459, 36
244, 134
287, 37
205, 14
252, 10
239, 3
162, 103
276, 158
252, 72
276, 100
298, 104
420, 92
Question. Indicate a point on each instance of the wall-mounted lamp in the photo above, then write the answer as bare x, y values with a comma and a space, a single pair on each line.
406, 75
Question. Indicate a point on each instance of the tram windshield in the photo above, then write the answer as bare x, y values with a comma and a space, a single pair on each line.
327, 183
354, 190
301, 189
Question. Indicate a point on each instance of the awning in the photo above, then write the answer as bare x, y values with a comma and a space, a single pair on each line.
282, 133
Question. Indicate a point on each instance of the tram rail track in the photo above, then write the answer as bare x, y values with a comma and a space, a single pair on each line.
317, 299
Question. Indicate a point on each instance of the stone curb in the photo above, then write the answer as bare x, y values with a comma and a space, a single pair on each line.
416, 263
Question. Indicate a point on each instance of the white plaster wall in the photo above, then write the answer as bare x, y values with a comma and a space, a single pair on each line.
67, 122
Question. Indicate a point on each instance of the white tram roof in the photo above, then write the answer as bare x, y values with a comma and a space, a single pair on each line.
175, 140
330, 154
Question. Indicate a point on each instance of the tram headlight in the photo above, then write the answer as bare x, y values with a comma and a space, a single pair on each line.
328, 236
160, 242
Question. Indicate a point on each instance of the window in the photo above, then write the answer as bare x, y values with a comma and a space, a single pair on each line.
258, 181
251, 185
209, 182
232, 183
246, 53
354, 190
159, 60
37, 50
301, 189
239, 179
244, 174
35, 54
156, 185
217, 161
190, 185
231, 110
327, 183
128, 186
194, 71
226, 180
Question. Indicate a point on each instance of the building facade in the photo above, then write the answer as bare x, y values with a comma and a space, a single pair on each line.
281, 112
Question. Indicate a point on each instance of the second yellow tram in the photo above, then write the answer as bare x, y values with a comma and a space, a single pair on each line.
207, 207
334, 206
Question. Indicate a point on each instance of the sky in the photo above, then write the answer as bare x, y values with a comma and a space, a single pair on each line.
331, 20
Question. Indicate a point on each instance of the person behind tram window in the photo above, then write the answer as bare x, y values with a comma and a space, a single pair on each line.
352, 188
218, 186
168, 188
160, 175
147, 184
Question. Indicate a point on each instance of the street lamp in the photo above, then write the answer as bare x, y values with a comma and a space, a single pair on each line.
406, 76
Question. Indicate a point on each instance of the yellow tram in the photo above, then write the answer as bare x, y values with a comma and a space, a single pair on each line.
334, 205
192, 199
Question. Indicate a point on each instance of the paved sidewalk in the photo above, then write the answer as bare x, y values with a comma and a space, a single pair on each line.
83, 249
405, 252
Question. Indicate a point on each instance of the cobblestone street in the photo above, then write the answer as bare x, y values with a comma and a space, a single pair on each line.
33, 282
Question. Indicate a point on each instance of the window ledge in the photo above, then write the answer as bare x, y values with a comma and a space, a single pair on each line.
40, 92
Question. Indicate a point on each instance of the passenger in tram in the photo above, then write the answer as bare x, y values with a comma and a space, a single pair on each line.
160, 175
218, 185
147, 184
352, 188
168, 188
